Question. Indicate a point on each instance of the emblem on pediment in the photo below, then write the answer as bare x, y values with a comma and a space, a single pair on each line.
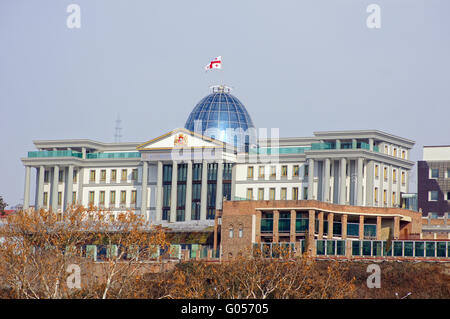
180, 140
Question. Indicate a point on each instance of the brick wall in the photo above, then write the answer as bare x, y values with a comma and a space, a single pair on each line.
241, 212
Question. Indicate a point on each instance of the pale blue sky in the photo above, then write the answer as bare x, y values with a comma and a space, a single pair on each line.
302, 66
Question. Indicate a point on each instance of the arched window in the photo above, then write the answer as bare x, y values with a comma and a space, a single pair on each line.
231, 231
241, 231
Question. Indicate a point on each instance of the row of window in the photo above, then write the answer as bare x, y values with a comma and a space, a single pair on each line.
240, 233
92, 200
394, 174
113, 175
59, 201
434, 173
93, 175
395, 153
273, 171
434, 196
60, 176
272, 193
112, 197
385, 197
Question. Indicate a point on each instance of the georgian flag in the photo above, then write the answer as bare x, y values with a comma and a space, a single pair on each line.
214, 64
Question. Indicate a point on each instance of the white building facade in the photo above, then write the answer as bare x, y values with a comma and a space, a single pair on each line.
183, 176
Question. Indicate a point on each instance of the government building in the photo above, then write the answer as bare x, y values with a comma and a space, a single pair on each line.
181, 178
221, 187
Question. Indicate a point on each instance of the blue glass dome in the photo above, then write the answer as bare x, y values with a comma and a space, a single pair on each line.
222, 116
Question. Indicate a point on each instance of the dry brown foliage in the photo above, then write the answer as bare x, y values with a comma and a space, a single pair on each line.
38, 246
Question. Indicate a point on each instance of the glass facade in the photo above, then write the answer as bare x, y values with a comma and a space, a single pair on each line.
167, 190
222, 116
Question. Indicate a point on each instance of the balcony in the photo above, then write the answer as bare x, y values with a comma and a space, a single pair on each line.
332, 146
44, 154
279, 150
113, 155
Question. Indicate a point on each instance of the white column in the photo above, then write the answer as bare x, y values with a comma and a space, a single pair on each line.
26, 195
40, 187
188, 208
310, 179
159, 191
370, 184
343, 179
219, 186
204, 191
69, 181
389, 192
144, 189
173, 195
55, 188
326, 182
359, 181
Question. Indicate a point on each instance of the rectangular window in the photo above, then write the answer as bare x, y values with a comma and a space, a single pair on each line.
75, 175
59, 198
134, 174
284, 170
92, 176
394, 176
395, 152
375, 194
403, 154
74, 197
45, 198
434, 173
60, 176
384, 197
283, 193
113, 176
433, 195
250, 172
133, 197
394, 197
103, 175
102, 198
112, 198
403, 178
250, 193
306, 170
386, 149
272, 193
123, 197
385, 173
305, 193
124, 177
376, 171
273, 171
46, 176
261, 172
91, 197
294, 193
295, 171
260, 193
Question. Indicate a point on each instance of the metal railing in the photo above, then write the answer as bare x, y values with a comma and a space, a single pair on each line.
66, 153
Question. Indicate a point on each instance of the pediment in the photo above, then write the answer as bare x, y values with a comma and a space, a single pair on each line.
180, 138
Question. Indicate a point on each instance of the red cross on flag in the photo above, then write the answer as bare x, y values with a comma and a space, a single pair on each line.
214, 64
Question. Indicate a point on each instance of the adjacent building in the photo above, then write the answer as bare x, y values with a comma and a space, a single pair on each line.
434, 181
